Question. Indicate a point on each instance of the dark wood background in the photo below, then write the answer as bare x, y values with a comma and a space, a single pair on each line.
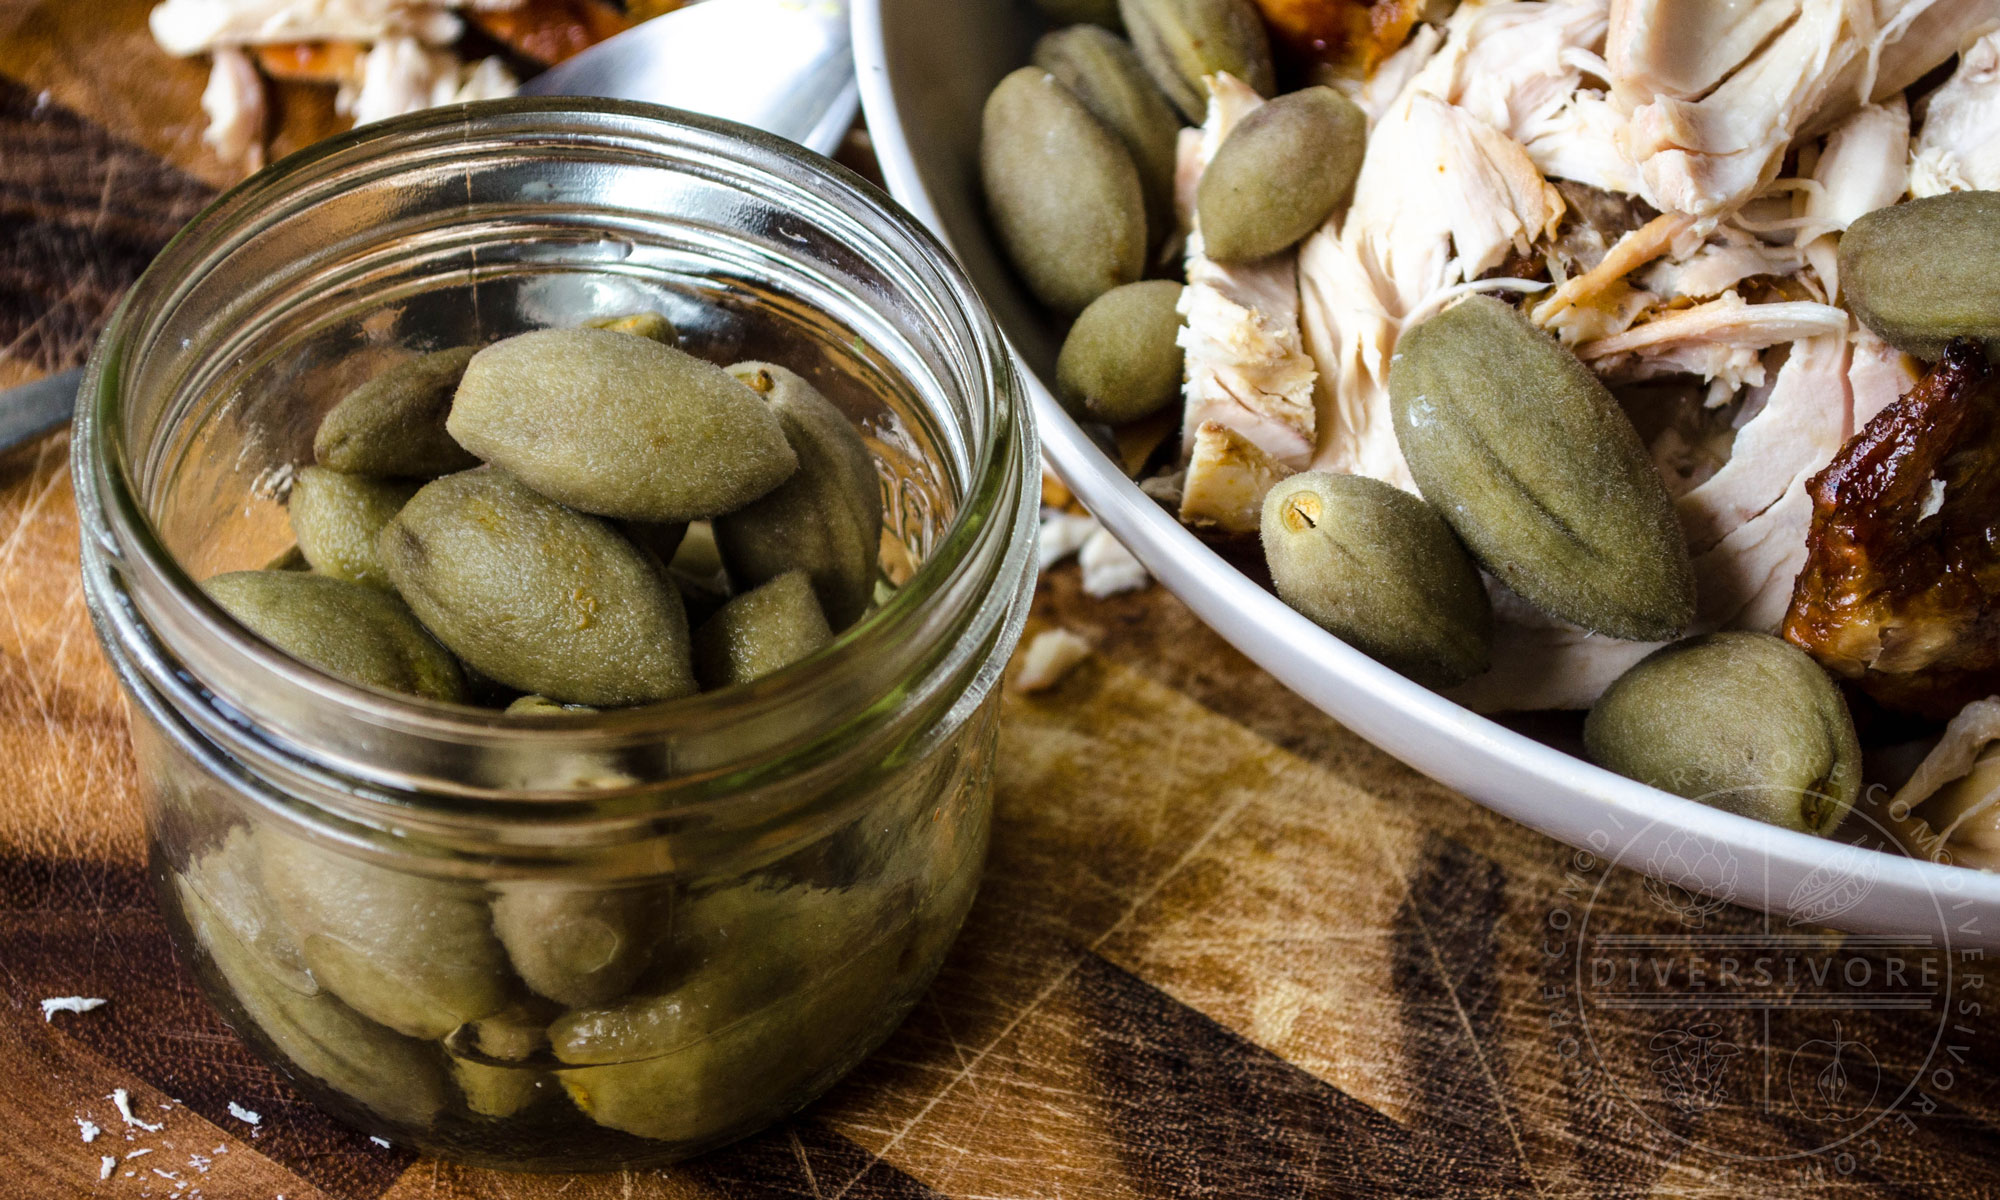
1224, 948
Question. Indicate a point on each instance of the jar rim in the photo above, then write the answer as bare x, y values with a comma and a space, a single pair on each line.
118, 527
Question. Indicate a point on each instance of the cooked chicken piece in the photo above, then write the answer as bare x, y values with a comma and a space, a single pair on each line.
1350, 36
402, 76
310, 62
1108, 567
1949, 811
1795, 432
1959, 148
1247, 370
1719, 341
549, 31
195, 26
1048, 656
1718, 265
1380, 90
1709, 156
1628, 254
1683, 48
234, 102
1878, 375
1901, 589
1227, 478
1442, 198
1864, 165
1519, 67
1911, 39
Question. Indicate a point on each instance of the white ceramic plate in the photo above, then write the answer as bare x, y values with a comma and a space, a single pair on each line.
926, 68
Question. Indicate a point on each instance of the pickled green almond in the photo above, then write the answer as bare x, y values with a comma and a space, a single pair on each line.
760, 632
1184, 41
1062, 190
826, 520
1121, 361
1922, 273
1530, 460
619, 426
650, 325
1070, 12
580, 945
686, 1089
1745, 722
536, 596
394, 424
671, 1065
514, 1033
229, 879
1378, 568
348, 630
542, 706
1279, 174
1105, 73
337, 518
395, 1077
495, 1091
414, 953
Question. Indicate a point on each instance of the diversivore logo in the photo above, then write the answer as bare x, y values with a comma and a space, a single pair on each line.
1716, 1025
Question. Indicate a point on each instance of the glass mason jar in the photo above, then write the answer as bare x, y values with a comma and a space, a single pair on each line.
557, 941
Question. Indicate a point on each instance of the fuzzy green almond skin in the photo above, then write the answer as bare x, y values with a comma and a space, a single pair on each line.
1105, 73
580, 945
337, 518
1532, 463
1122, 361
537, 596
394, 425
1922, 273
1071, 12
1062, 190
412, 952
1379, 569
760, 633
650, 325
1279, 174
1745, 722
348, 630
1183, 41
826, 520
619, 426
387, 1073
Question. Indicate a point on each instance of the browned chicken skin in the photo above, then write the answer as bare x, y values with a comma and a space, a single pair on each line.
1349, 35
1901, 588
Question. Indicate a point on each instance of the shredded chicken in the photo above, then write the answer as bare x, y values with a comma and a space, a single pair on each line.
1047, 658
1246, 371
1959, 147
1709, 155
234, 103
1949, 811
1720, 341
1227, 478
197, 26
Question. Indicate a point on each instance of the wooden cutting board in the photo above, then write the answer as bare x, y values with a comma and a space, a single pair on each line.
1224, 947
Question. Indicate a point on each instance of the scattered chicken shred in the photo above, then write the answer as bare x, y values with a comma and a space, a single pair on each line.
1049, 656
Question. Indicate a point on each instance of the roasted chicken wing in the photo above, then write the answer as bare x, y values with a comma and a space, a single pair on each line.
1901, 588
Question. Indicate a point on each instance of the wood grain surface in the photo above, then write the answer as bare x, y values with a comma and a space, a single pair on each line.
1224, 948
